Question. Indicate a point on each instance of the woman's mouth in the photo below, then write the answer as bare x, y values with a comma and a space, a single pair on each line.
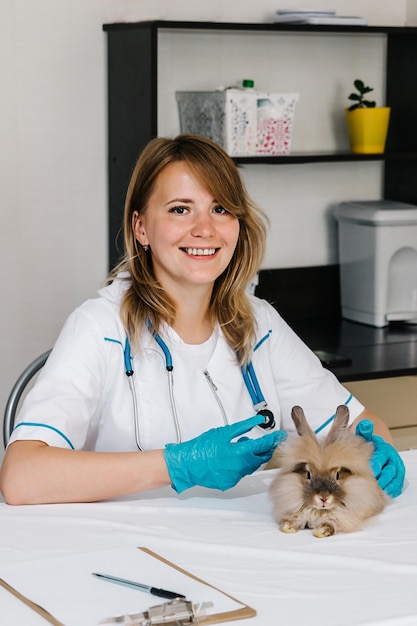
200, 251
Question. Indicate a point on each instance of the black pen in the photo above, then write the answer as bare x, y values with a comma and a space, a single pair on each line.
162, 593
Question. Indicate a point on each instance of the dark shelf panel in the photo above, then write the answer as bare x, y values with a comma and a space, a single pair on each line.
325, 157
262, 27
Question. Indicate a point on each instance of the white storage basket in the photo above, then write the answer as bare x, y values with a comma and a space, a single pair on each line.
243, 122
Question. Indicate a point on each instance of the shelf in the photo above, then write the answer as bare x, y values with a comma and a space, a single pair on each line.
324, 157
262, 27
135, 66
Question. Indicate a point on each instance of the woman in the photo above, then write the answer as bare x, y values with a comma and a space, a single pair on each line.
144, 387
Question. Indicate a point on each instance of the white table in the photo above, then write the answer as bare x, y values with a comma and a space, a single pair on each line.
231, 541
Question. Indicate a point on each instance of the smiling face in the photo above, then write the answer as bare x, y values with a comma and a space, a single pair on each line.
191, 237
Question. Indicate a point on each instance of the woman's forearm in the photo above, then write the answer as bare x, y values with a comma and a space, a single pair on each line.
35, 473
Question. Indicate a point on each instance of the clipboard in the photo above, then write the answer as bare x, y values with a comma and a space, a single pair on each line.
32, 605
242, 612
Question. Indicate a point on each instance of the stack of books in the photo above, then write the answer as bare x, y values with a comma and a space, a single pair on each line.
326, 17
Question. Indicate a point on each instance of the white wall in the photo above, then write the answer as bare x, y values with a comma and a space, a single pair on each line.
411, 12
53, 157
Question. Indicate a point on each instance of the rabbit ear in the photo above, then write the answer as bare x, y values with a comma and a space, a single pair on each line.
340, 423
301, 424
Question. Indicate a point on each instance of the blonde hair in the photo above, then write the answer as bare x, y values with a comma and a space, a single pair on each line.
146, 298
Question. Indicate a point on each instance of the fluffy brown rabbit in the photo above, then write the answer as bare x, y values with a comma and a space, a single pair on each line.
325, 485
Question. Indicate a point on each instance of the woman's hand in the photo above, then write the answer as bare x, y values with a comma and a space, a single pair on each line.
386, 463
213, 460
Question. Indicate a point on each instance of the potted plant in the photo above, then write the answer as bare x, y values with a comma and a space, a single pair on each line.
367, 124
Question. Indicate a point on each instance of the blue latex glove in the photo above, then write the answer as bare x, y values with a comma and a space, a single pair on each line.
386, 463
212, 460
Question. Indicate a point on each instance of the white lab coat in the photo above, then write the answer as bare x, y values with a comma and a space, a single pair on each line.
82, 398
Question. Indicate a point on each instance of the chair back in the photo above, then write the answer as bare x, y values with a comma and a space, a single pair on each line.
17, 391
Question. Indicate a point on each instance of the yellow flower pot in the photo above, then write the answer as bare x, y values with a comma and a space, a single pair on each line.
368, 129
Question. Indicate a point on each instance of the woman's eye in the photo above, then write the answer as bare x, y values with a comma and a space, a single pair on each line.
219, 210
180, 210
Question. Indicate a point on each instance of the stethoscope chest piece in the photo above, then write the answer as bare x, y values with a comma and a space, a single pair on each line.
269, 422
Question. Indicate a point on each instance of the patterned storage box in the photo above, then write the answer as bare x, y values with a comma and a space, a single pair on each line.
244, 122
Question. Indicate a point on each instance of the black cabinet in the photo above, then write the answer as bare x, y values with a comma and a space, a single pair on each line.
133, 104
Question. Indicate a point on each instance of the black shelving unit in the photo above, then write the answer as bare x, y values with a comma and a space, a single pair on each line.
132, 50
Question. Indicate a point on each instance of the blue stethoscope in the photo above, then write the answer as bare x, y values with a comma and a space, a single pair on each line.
248, 373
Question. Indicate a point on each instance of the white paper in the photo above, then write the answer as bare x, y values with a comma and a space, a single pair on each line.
13, 612
65, 586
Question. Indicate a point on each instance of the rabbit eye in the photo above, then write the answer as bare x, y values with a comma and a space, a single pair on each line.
345, 472
342, 472
302, 469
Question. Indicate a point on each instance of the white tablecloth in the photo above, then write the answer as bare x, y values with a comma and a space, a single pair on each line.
232, 541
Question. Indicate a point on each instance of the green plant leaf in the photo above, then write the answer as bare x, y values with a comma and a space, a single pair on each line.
359, 84
359, 97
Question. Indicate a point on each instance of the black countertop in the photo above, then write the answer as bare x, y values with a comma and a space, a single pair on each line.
309, 300
373, 352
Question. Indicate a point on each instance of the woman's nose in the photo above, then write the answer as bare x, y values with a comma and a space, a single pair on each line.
203, 226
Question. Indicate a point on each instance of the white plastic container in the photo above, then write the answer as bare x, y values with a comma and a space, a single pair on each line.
245, 122
378, 261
